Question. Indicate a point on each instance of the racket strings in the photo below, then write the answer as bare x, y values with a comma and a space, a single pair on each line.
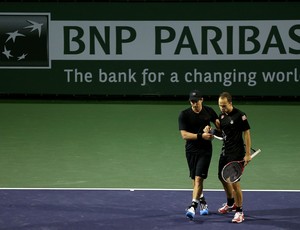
232, 172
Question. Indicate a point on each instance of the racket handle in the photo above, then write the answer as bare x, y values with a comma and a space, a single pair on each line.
219, 138
255, 153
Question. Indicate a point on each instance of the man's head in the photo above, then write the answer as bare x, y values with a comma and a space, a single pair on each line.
196, 100
225, 102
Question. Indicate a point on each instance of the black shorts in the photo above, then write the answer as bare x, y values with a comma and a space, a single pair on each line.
225, 159
198, 164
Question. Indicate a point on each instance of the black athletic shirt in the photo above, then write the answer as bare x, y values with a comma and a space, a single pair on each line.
195, 123
233, 125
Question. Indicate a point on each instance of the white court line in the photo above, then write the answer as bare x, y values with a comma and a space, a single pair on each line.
147, 189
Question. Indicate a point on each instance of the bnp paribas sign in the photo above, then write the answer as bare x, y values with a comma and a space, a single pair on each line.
176, 40
34, 40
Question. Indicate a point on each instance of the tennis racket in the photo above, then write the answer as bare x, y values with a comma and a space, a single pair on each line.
219, 138
233, 171
213, 131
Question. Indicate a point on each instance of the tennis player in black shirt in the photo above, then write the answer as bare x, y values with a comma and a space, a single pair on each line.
236, 147
194, 125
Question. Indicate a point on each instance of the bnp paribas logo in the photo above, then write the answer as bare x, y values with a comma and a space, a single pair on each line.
24, 40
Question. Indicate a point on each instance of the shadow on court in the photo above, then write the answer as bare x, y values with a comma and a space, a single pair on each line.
140, 210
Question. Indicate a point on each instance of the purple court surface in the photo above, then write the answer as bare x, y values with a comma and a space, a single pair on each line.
92, 209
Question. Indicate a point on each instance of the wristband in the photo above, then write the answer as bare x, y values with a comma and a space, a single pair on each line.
199, 136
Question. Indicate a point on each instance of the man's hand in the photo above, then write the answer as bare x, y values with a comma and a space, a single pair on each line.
207, 129
207, 136
247, 159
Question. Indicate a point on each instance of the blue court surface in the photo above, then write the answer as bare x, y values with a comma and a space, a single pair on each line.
63, 209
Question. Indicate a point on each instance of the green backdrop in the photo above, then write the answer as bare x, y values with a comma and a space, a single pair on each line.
57, 144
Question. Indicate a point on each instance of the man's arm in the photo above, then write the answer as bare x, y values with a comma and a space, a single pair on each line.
247, 140
188, 136
195, 136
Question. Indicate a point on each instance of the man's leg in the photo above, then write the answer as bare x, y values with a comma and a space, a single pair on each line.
239, 215
230, 195
197, 191
238, 194
197, 187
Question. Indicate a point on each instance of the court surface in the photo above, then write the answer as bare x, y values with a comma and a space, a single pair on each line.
49, 147
140, 209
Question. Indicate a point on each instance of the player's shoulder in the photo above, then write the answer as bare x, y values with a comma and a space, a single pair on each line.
186, 111
238, 111
206, 107
242, 115
209, 109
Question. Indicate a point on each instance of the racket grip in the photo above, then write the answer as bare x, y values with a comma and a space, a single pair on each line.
219, 138
255, 153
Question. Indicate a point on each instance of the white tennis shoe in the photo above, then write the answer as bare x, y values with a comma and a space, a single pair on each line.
238, 217
190, 212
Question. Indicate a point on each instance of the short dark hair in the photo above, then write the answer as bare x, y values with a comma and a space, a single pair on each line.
226, 95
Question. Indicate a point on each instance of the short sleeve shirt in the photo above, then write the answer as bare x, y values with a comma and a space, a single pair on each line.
233, 125
195, 123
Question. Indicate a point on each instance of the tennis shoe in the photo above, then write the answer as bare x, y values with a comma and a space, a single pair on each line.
203, 209
225, 208
238, 217
190, 212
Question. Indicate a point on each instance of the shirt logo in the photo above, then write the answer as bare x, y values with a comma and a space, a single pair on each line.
24, 41
244, 117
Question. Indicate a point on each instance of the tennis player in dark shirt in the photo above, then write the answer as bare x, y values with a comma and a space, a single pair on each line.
194, 125
236, 146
